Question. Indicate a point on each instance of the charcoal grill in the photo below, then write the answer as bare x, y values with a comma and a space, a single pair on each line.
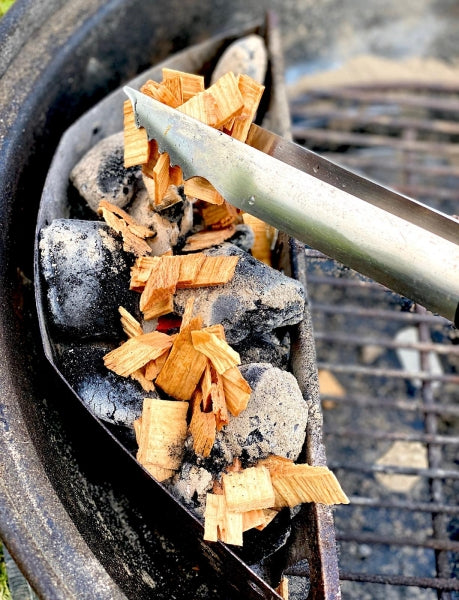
397, 543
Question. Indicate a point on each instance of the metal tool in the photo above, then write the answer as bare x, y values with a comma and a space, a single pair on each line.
391, 238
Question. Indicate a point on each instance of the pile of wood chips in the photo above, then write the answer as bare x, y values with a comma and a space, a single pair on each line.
195, 367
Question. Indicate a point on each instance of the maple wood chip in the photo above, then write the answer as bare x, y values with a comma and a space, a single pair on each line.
220, 523
253, 519
162, 433
199, 188
219, 216
161, 283
297, 483
202, 428
251, 92
136, 352
136, 147
130, 325
133, 234
208, 238
141, 271
190, 83
184, 366
161, 176
264, 237
249, 489
282, 589
215, 270
237, 391
218, 351
159, 307
147, 384
160, 92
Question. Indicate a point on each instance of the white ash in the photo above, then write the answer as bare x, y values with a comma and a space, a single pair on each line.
87, 278
101, 175
257, 299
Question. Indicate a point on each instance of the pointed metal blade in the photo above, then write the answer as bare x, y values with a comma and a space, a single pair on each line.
387, 244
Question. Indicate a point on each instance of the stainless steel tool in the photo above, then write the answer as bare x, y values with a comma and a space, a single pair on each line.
405, 245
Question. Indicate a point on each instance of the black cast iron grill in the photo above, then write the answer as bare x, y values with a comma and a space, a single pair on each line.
403, 533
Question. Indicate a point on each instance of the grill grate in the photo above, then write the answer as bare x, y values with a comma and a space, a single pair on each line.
391, 425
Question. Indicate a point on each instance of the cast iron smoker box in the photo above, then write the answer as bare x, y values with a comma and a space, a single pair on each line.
71, 493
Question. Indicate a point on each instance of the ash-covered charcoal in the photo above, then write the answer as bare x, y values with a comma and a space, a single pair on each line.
191, 485
171, 225
115, 400
257, 299
244, 238
87, 278
274, 421
247, 55
101, 175
269, 347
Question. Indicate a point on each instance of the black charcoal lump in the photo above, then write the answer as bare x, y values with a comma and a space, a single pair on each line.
101, 174
256, 300
87, 276
115, 400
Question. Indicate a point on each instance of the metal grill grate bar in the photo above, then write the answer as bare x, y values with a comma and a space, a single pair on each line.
405, 136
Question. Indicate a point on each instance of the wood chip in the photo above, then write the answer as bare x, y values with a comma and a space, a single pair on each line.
249, 489
147, 168
161, 283
159, 307
189, 267
215, 270
228, 98
251, 92
160, 92
141, 271
184, 366
136, 352
202, 427
253, 519
130, 325
237, 391
218, 351
217, 395
208, 238
219, 216
297, 483
282, 588
201, 189
136, 147
161, 176
216, 105
220, 523
264, 238
190, 83
147, 384
162, 434
133, 233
